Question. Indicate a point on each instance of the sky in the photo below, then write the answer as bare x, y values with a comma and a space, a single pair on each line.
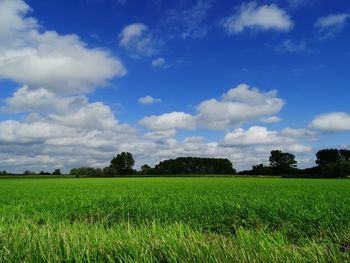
83, 80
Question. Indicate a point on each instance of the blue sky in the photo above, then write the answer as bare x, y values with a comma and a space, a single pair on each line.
83, 80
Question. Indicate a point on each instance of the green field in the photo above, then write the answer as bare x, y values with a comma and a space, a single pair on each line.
174, 220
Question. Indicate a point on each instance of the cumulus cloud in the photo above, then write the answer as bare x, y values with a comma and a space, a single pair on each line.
42, 101
239, 105
45, 59
138, 41
168, 121
332, 122
147, 100
330, 26
272, 119
258, 135
13, 18
252, 16
88, 136
160, 135
60, 127
259, 141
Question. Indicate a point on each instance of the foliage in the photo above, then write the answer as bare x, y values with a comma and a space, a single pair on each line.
123, 163
327, 156
44, 173
146, 169
194, 165
28, 173
110, 171
57, 172
279, 159
87, 172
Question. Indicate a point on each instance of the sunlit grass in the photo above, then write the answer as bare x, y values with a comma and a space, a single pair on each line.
174, 220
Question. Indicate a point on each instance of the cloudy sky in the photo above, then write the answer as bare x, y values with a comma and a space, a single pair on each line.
83, 80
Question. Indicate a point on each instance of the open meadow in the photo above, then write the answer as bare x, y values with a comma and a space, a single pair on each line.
174, 220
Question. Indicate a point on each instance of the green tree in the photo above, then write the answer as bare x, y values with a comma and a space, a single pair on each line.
345, 155
282, 163
57, 172
327, 156
146, 169
123, 163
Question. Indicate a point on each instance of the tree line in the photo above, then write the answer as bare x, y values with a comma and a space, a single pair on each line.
28, 172
123, 163
330, 163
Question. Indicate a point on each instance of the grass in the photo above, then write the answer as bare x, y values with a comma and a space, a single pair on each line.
174, 220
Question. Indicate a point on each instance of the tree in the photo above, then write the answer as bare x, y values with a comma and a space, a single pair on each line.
123, 163
109, 172
345, 155
195, 165
282, 162
261, 169
29, 173
86, 172
327, 156
146, 169
57, 172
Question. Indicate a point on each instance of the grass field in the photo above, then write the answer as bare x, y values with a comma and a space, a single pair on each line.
174, 220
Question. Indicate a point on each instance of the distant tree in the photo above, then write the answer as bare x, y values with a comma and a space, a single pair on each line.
195, 165
110, 171
345, 155
279, 159
334, 170
86, 172
2, 173
146, 169
44, 173
123, 163
261, 169
57, 172
327, 156
29, 173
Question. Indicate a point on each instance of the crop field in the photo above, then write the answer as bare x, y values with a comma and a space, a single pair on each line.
174, 220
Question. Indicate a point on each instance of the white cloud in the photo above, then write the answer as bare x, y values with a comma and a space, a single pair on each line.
138, 41
330, 26
257, 135
298, 133
252, 16
13, 20
147, 100
87, 136
168, 121
158, 63
332, 122
93, 115
239, 105
160, 135
60, 130
42, 101
45, 59
272, 119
